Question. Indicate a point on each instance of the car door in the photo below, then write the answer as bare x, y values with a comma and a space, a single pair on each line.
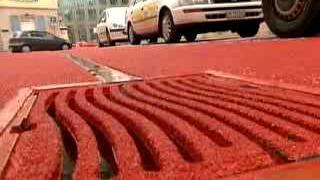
102, 27
137, 16
37, 41
52, 42
150, 14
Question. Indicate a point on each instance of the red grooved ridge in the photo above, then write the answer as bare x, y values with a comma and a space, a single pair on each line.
230, 152
289, 120
124, 149
34, 157
88, 158
161, 148
193, 143
293, 150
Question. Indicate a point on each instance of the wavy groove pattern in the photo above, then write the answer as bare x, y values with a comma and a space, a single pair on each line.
187, 126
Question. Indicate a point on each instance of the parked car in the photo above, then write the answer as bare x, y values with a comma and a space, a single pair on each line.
110, 28
28, 41
292, 18
171, 19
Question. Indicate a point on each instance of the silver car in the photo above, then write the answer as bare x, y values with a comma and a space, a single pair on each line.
172, 19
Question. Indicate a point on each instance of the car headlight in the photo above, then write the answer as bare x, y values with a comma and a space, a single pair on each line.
193, 2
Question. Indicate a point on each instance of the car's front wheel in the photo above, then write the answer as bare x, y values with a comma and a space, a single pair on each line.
248, 29
26, 49
65, 47
169, 31
291, 18
133, 38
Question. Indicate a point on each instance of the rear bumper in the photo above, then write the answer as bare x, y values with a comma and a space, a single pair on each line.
195, 14
118, 35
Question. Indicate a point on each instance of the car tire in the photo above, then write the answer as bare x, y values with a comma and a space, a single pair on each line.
190, 36
110, 42
26, 49
99, 43
65, 47
248, 29
169, 31
294, 18
133, 38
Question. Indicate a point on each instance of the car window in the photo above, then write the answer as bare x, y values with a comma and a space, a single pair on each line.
36, 34
49, 36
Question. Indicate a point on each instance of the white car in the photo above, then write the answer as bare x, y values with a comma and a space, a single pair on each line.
171, 19
110, 28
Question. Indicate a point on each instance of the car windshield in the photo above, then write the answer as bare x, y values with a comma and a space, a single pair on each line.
117, 15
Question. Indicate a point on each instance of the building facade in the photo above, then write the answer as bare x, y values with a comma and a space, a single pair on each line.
81, 16
21, 15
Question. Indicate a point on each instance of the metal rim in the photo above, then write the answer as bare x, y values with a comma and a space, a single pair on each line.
289, 10
26, 49
65, 47
166, 27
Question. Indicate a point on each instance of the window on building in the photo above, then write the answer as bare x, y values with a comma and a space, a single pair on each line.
80, 14
103, 2
15, 23
113, 2
41, 23
92, 14
125, 2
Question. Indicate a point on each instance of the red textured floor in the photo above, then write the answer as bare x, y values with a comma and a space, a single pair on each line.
43, 68
193, 127
292, 61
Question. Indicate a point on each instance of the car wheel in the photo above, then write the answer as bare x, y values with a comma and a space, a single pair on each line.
26, 49
133, 38
65, 47
110, 42
248, 29
168, 29
291, 18
190, 36
99, 43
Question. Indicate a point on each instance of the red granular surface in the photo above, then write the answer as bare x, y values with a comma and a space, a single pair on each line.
291, 61
34, 69
192, 127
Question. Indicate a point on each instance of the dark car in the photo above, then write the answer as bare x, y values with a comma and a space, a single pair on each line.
28, 41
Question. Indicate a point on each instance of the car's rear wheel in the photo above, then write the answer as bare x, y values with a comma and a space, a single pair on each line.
190, 36
26, 49
65, 47
133, 38
248, 29
110, 42
291, 18
169, 31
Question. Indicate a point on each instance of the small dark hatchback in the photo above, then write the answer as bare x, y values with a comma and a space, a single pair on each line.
28, 41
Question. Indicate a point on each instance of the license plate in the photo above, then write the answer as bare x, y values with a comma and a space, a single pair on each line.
236, 14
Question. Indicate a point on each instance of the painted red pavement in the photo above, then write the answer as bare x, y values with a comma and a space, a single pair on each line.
43, 68
292, 61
